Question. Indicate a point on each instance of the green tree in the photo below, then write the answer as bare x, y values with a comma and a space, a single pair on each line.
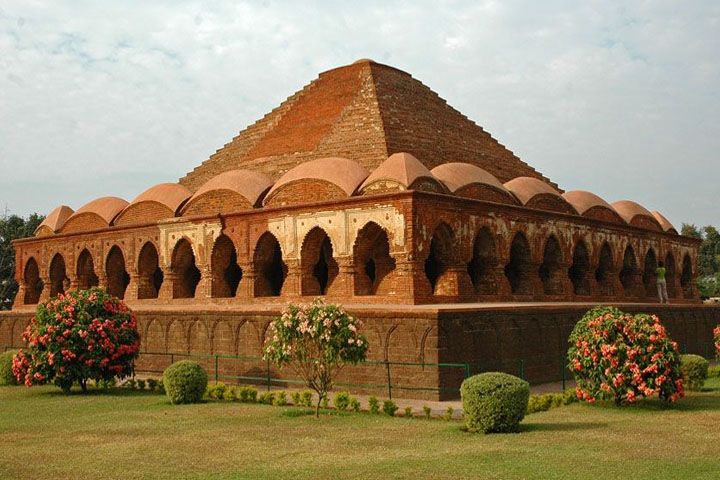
690, 230
12, 227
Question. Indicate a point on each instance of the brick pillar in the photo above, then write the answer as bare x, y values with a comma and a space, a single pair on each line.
131, 292
343, 286
20, 297
246, 288
204, 286
291, 285
563, 272
497, 273
45, 294
455, 282
102, 281
593, 286
533, 276
167, 287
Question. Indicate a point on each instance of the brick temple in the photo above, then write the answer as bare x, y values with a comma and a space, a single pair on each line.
367, 188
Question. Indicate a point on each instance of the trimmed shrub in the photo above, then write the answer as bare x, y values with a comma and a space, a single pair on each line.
130, 383
306, 398
621, 357
6, 373
354, 404
295, 398
714, 371
427, 411
494, 402
539, 403
374, 404
280, 399
141, 384
409, 412
390, 407
569, 396
342, 400
152, 384
230, 394
185, 382
695, 371
449, 414
267, 398
248, 394
216, 391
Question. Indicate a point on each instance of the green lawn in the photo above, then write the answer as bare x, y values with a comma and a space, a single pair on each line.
128, 435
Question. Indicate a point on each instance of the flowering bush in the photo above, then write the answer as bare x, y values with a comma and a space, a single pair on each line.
79, 336
317, 340
716, 335
621, 357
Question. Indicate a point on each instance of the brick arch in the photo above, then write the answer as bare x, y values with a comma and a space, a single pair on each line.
686, 277
374, 266
198, 337
439, 257
183, 266
248, 339
484, 260
605, 269
386, 342
222, 338
85, 271
116, 273
268, 265
177, 338
423, 342
226, 273
630, 272
671, 275
33, 283
649, 276
58, 275
150, 276
154, 338
519, 268
401, 343
580, 270
318, 267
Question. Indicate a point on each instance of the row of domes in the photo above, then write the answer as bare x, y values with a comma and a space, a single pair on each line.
336, 178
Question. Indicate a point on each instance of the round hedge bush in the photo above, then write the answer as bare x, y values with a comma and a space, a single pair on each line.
185, 382
6, 374
494, 402
695, 371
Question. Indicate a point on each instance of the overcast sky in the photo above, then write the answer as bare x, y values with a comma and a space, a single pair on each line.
109, 98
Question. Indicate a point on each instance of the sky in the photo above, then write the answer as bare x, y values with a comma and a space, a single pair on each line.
109, 98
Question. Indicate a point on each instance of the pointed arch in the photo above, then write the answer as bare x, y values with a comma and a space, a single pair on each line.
484, 259
154, 337
551, 272
116, 273
373, 264
630, 272
150, 276
519, 268
439, 256
33, 283
686, 277
671, 275
187, 273
86, 277
226, 273
318, 267
580, 269
270, 270
649, 277
604, 271
58, 275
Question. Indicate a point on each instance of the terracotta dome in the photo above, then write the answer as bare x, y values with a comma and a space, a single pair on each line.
155, 203
534, 193
401, 171
230, 191
98, 213
470, 181
664, 222
590, 205
317, 180
636, 215
54, 221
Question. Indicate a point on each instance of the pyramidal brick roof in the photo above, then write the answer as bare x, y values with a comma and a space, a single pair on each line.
365, 112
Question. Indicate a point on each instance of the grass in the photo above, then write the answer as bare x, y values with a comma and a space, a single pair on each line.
137, 435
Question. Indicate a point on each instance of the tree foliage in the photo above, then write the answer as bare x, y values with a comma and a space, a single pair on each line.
11, 228
77, 337
317, 340
709, 258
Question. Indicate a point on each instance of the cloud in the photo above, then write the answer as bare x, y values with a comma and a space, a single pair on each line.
109, 98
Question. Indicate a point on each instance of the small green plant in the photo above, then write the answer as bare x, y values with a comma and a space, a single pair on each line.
280, 399
152, 384
216, 391
141, 384
185, 382
325, 402
248, 394
306, 398
449, 414
540, 403
714, 371
695, 371
161, 387
130, 383
427, 411
267, 398
296, 398
105, 384
494, 402
408, 412
569, 396
374, 404
342, 401
6, 373
354, 404
390, 407
230, 394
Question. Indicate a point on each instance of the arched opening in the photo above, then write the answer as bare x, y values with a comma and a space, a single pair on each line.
519, 269
649, 277
33, 284
270, 270
483, 261
226, 274
671, 275
579, 270
373, 263
550, 271
317, 265
439, 256
150, 276
58, 276
183, 266
603, 273
686, 277
629, 273
86, 277
117, 276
